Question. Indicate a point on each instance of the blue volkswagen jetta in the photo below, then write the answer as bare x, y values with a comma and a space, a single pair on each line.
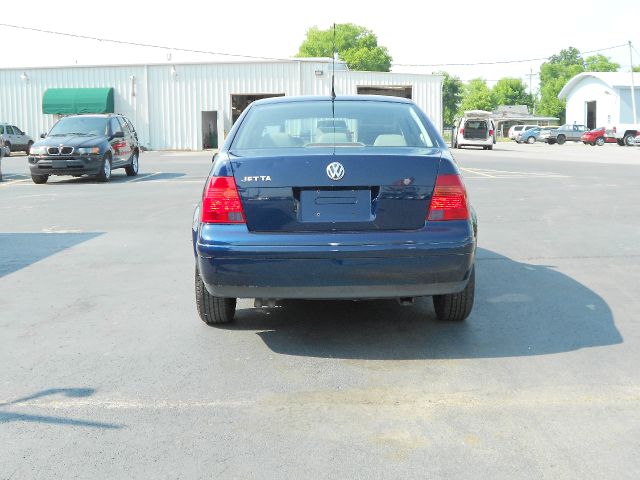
346, 198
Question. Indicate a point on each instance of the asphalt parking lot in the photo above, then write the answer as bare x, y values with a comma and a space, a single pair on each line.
107, 371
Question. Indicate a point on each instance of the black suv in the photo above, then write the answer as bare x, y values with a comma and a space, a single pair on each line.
86, 145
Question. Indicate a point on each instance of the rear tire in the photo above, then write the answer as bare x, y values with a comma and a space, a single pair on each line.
531, 140
620, 142
213, 310
132, 169
551, 142
600, 141
561, 139
455, 307
7, 150
628, 140
39, 179
490, 147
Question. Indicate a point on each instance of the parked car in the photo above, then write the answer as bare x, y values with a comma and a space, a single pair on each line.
15, 140
86, 145
624, 133
383, 215
568, 132
597, 136
475, 129
517, 129
537, 134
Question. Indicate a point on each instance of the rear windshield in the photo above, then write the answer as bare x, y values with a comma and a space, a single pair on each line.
313, 124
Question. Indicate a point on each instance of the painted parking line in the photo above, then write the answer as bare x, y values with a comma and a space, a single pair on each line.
8, 183
490, 173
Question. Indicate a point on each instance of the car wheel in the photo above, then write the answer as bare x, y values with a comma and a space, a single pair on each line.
28, 147
7, 150
628, 140
39, 179
213, 310
531, 140
600, 141
132, 169
490, 147
551, 142
105, 170
561, 139
620, 142
455, 307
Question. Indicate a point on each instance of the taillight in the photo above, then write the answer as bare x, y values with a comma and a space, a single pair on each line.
462, 131
491, 133
449, 200
221, 202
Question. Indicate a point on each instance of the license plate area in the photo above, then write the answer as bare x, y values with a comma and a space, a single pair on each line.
322, 205
59, 164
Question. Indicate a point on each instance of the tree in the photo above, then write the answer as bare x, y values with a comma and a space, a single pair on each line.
477, 96
600, 63
636, 69
511, 91
452, 89
355, 45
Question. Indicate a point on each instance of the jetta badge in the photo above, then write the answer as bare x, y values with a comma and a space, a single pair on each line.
335, 171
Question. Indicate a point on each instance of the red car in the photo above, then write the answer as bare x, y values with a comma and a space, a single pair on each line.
596, 136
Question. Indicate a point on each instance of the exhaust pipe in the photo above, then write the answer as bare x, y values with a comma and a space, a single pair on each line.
406, 301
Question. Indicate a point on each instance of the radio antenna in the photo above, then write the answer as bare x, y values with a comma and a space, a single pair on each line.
333, 66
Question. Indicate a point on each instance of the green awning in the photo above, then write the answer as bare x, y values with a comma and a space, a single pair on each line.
68, 101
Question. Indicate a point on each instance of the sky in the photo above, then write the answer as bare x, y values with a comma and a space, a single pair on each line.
415, 32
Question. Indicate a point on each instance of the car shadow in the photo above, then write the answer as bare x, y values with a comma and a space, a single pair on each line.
520, 310
10, 416
116, 178
19, 250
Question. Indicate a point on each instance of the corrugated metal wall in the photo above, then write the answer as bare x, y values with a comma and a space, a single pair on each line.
165, 102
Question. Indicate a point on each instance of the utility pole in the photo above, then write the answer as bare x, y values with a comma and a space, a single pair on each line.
633, 87
531, 75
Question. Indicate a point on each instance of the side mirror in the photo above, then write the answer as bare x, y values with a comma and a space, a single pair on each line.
43, 135
119, 134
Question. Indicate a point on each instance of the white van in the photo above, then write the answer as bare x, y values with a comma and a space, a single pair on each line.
475, 129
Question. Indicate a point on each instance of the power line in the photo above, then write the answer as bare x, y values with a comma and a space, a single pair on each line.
255, 57
502, 62
136, 44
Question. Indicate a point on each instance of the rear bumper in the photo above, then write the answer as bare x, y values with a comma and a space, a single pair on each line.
476, 142
335, 266
78, 165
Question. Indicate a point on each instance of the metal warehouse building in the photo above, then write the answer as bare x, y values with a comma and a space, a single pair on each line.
193, 106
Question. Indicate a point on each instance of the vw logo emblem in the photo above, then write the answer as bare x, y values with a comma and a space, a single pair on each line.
335, 171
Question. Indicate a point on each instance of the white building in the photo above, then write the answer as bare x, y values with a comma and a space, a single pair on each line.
599, 99
192, 106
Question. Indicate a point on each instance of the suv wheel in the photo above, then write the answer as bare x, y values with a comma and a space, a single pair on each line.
213, 310
7, 150
132, 169
39, 179
455, 307
105, 171
561, 139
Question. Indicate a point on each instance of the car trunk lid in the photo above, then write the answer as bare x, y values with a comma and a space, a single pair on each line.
290, 191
